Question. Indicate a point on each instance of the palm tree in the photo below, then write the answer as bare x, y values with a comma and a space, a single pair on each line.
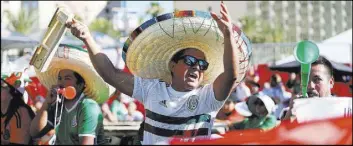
278, 33
155, 9
23, 22
249, 26
264, 34
104, 26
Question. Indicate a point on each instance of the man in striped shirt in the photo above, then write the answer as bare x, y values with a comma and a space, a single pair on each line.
184, 107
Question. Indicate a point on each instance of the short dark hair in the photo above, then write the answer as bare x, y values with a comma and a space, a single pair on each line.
79, 78
322, 60
177, 55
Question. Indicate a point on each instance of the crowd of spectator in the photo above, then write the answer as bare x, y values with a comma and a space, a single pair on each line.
121, 107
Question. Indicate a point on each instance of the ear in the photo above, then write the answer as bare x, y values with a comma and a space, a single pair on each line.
81, 86
171, 65
331, 82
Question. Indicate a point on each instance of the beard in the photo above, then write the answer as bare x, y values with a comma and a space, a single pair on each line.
313, 94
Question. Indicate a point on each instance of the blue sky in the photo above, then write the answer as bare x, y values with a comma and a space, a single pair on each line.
142, 6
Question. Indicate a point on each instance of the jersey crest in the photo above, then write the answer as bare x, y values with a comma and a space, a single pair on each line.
74, 122
192, 102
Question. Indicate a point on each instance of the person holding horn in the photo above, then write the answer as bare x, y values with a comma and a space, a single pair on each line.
321, 81
75, 119
185, 65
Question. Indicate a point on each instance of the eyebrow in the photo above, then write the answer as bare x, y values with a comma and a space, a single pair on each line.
67, 76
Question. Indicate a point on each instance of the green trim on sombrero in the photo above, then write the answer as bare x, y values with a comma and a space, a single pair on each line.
73, 47
150, 46
4, 76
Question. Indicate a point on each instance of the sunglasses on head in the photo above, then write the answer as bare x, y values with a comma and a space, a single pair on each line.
191, 61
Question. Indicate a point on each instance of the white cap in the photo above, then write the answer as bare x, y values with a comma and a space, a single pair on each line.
243, 109
268, 102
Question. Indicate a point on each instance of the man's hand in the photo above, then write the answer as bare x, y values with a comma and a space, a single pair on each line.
225, 83
78, 29
291, 103
225, 22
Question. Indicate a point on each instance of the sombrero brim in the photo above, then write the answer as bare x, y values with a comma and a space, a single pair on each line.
151, 46
76, 59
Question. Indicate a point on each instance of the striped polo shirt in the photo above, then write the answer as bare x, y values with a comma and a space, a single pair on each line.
169, 113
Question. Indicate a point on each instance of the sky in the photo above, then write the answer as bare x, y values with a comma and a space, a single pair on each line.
142, 6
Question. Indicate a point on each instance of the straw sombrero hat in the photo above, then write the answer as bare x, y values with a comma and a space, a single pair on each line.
151, 46
76, 59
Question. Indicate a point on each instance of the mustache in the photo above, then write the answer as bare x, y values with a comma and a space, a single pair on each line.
312, 94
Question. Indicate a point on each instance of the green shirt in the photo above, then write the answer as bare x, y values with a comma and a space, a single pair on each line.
255, 122
84, 119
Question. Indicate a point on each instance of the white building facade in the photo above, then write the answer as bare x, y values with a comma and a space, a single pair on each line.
313, 20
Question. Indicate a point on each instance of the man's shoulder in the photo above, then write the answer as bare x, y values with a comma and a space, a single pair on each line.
87, 100
89, 103
146, 82
202, 88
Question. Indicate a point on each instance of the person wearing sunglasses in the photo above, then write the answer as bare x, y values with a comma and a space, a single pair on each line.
258, 110
16, 116
182, 75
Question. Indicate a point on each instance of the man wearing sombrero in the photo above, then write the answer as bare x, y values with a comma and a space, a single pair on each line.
185, 65
79, 119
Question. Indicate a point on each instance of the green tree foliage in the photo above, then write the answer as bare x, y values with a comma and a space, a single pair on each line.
104, 26
78, 17
154, 10
262, 34
23, 22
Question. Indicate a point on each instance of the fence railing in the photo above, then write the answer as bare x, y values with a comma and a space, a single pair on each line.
269, 53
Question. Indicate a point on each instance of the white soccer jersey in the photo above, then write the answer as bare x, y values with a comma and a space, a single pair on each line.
171, 113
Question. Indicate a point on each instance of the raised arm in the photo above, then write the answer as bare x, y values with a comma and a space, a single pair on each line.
225, 82
122, 81
40, 125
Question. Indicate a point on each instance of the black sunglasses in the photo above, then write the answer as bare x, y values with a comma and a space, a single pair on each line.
191, 61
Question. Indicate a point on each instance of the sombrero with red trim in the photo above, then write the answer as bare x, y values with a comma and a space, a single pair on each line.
150, 47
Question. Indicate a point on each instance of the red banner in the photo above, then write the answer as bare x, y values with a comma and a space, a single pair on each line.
333, 131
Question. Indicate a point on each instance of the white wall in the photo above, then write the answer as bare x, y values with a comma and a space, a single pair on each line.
236, 9
46, 10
